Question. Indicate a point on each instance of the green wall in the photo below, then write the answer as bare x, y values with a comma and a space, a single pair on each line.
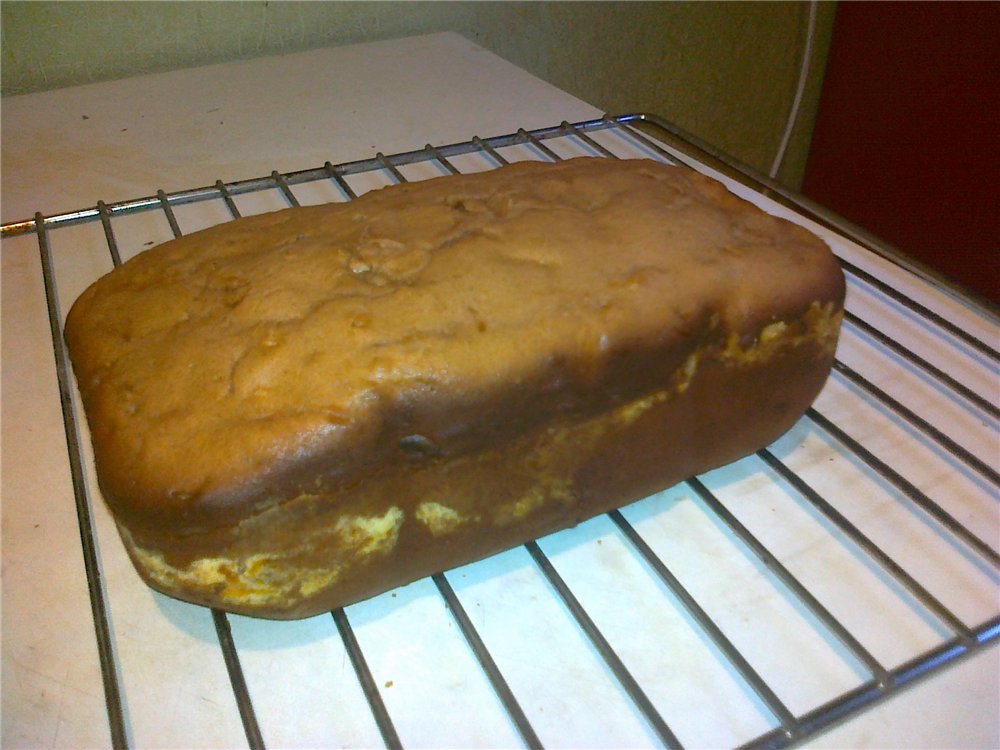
726, 72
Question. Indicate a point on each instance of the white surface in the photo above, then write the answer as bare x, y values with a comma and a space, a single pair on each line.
188, 128
232, 121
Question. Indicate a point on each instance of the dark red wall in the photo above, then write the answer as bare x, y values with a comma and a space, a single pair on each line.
907, 140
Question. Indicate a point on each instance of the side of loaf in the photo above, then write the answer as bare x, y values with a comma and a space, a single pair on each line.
297, 410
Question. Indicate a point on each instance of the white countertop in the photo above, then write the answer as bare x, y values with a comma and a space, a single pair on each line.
66, 149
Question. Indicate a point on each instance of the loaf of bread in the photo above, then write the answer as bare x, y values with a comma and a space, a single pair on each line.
297, 410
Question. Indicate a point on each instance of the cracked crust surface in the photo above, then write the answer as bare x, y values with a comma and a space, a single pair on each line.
303, 364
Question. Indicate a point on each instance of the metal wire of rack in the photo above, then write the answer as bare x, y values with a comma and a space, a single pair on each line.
946, 415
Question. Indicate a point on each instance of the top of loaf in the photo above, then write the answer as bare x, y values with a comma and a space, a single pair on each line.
217, 365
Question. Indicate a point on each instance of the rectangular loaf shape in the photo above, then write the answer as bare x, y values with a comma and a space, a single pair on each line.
297, 410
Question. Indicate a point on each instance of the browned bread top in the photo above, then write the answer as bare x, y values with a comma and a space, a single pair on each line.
232, 368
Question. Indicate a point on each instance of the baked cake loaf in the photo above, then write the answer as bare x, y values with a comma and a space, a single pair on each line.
297, 410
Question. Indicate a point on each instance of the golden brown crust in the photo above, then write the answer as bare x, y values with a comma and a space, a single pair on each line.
298, 409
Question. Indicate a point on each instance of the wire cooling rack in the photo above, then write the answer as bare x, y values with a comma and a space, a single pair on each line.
753, 606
